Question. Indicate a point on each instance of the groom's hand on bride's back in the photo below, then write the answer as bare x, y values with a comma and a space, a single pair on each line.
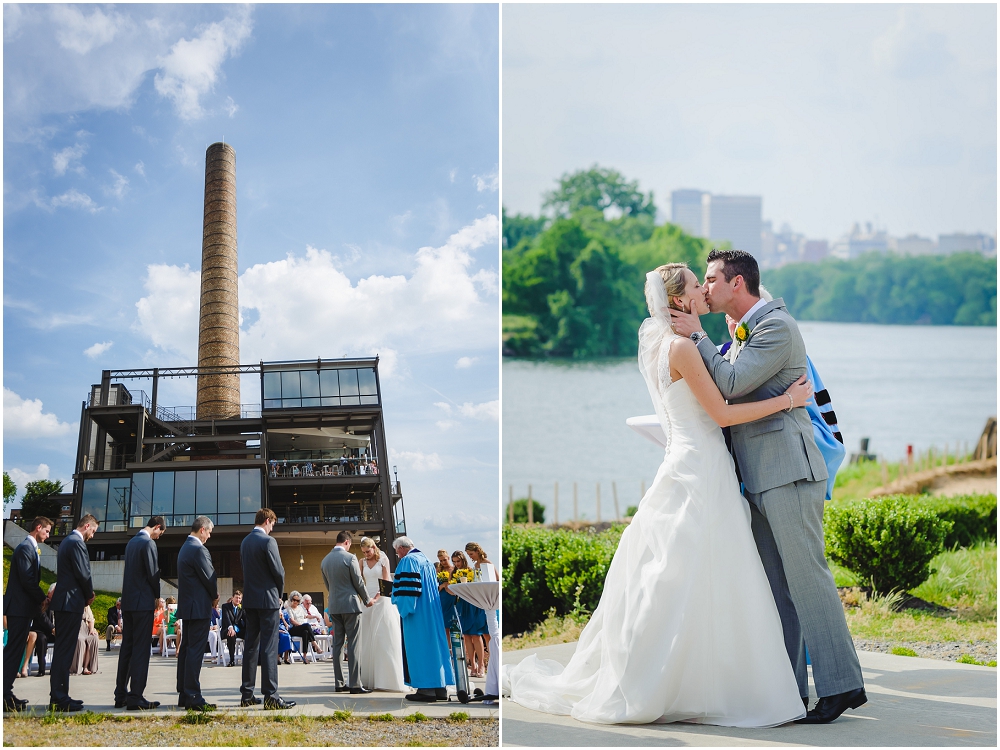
684, 324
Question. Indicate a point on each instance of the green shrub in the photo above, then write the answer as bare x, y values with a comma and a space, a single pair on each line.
553, 569
457, 716
887, 541
974, 517
966, 659
903, 651
521, 511
631, 511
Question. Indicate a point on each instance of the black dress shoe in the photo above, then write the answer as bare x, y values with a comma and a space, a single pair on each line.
201, 706
421, 698
65, 707
829, 707
144, 705
342, 689
805, 701
77, 701
275, 702
253, 700
441, 693
360, 690
14, 705
120, 703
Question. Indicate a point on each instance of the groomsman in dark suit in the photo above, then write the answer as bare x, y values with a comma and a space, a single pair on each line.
74, 591
264, 580
196, 592
234, 624
20, 604
140, 590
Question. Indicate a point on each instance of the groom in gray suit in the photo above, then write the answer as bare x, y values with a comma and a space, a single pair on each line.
342, 576
784, 479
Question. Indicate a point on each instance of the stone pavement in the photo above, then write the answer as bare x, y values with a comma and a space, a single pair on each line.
310, 685
911, 702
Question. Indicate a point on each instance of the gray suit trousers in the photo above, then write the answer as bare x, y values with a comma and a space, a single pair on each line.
347, 624
787, 524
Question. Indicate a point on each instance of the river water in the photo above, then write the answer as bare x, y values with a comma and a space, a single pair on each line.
897, 385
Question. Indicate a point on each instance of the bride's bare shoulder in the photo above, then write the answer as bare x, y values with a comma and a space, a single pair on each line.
682, 345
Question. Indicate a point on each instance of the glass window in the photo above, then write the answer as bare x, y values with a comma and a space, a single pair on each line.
310, 402
163, 493
247, 518
350, 400
249, 491
118, 497
229, 519
208, 493
229, 491
310, 383
348, 383
291, 403
366, 380
142, 494
329, 383
369, 400
290, 384
272, 403
272, 385
331, 400
95, 498
184, 494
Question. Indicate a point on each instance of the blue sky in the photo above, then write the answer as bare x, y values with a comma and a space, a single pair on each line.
367, 154
834, 113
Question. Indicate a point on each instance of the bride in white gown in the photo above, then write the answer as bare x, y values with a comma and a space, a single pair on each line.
381, 653
686, 629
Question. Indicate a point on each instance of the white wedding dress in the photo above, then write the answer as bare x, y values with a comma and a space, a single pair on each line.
381, 655
687, 628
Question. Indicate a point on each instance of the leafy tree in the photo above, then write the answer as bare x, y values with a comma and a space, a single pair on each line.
600, 189
521, 511
519, 227
38, 501
9, 489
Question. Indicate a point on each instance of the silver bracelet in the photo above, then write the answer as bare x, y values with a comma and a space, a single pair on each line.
791, 402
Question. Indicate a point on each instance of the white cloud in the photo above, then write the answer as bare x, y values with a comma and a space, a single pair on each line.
446, 424
490, 181
62, 160
465, 362
140, 168
24, 418
485, 410
120, 187
73, 198
416, 460
307, 306
192, 67
81, 33
98, 349
21, 477
469, 523
231, 107
452, 174
168, 315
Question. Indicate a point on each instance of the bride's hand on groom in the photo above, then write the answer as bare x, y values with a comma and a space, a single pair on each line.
684, 323
800, 391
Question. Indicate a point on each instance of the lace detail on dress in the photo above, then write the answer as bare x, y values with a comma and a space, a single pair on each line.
663, 367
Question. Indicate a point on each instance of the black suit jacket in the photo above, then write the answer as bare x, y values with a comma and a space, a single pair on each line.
74, 587
196, 585
231, 616
263, 573
113, 618
42, 622
23, 596
141, 584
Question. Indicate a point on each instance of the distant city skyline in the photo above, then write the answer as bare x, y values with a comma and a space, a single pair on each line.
835, 114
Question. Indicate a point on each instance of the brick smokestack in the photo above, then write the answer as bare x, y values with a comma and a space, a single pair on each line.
219, 323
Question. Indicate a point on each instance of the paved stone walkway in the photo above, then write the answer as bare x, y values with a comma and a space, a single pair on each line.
911, 702
310, 685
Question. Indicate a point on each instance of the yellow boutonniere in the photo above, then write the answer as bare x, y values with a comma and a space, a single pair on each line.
742, 333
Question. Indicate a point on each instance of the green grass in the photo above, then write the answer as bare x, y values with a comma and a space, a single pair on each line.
966, 580
966, 659
457, 716
343, 715
380, 717
903, 651
415, 717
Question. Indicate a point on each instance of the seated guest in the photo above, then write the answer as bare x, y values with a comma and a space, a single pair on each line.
42, 633
284, 640
88, 644
159, 618
114, 622
298, 627
234, 623
213, 629
312, 615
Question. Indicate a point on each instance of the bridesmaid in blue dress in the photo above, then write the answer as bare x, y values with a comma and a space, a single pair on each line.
473, 621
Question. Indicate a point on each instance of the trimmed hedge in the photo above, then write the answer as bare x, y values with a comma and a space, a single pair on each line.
545, 568
974, 517
887, 541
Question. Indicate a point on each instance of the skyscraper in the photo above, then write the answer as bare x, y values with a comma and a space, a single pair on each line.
686, 211
734, 218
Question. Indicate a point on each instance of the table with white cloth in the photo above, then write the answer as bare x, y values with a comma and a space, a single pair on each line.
485, 595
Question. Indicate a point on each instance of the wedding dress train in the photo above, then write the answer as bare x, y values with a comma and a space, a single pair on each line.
686, 628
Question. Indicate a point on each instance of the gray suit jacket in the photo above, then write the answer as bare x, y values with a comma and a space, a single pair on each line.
141, 581
779, 449
263, 573
74, 586
196, 584
342, 576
